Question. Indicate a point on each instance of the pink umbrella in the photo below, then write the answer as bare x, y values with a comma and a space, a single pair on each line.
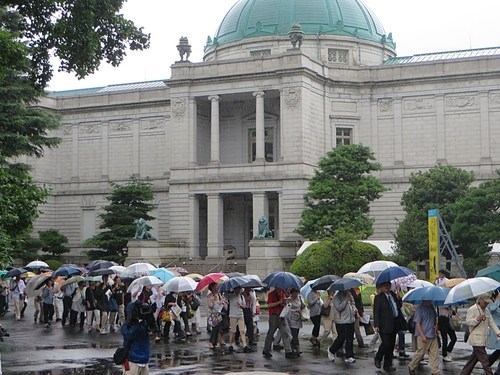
209, 279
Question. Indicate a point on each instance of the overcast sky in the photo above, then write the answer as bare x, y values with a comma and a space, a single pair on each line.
417, 26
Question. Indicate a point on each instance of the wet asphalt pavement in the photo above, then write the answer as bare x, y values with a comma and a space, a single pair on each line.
34, 349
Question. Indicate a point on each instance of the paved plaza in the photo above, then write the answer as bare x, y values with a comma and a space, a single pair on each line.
34, 349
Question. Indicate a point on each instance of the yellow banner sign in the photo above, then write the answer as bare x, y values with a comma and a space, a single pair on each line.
433, 228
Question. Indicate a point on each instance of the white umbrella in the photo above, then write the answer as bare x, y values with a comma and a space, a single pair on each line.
419, 283
33, 285
180, 284
37, 264
376, 267
119, 270
471, 288
364, 277
144, 281
139, 269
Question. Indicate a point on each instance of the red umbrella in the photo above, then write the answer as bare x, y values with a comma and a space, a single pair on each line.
209, 279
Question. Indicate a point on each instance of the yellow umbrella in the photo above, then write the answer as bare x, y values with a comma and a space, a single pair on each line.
195, 276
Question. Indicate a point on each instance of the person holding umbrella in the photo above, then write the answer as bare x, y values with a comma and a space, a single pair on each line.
48, 302
426, 332
77, 305
479, 319
18, 294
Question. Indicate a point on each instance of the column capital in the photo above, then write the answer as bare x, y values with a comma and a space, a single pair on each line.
259, 94
214, 98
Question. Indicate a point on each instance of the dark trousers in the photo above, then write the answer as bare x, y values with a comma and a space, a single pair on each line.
478, 355
295, 343
345, 335
3, 304
248, 318
73, 317
386, 349
445, 330
48, 312
67, 302
316, 321
214, 335
178, 332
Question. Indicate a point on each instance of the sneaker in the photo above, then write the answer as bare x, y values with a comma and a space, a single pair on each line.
448, 358
331, 356
349, 360
247, 349
267, 354
230, 349
403, 355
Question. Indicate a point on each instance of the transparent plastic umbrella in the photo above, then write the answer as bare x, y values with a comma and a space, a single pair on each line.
471, 288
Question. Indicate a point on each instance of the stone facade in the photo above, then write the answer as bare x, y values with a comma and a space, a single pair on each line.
228, 140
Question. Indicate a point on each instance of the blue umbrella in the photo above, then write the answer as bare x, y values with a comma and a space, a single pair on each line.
392, 273
163, 274
344, 284
283, 280
306, 289
66, 272
435, 294
239, 281
15, 272
324, 282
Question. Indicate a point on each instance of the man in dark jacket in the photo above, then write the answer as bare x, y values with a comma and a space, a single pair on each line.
387, 317
136, 338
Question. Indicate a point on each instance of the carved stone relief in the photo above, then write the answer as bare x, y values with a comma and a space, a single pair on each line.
385, 106
92, 129
420, 104
67, 130
495, 98
120, 126
152, 124
292, 97
461, 101
88, 201
178, 107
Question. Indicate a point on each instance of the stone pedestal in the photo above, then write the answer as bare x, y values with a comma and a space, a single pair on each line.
268, 255
143, 251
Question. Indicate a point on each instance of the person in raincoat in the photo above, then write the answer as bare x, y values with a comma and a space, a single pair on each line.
135, 334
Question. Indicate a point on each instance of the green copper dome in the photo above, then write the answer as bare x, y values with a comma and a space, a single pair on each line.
260, 18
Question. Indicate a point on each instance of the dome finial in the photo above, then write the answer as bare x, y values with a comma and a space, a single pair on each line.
296, 35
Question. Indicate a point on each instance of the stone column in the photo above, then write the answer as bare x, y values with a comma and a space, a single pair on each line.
398, 133
440, 130
105, 150
215, 226
193, 132
194, 220
260, 207
259, 126
214, 130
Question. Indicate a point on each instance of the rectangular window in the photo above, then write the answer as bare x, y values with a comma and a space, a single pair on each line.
268, 145
338, 56
88, 223
260, 52
343, 136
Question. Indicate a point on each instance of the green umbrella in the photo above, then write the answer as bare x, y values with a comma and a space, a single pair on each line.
492, 272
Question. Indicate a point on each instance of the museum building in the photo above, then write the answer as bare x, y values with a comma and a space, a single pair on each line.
238, 136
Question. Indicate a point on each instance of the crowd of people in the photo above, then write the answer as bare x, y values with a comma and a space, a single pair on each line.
108, 305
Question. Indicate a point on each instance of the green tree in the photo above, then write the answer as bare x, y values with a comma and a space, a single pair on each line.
439, 187
128, 203
80, 33
27, 248
53, 242
340, 193
338, 255
477, 223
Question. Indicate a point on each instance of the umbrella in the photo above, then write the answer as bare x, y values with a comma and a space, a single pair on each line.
436, 294
163, 274
405, 280
392, 273
101, 272
144, 281
195, 276
67, 271
492, 272
235, 274
450, 283
471, 288
324, 282
74, 279
419, 283
283, 280
33, 286
215, 277
119, 270
100, 264
180, 284
141, 268
376, 267
344, 284
15, 272
239, 281
92, 278
37, 264
181, 271
364, 277
306, 289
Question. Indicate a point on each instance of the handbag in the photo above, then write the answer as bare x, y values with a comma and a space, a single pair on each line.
165, 315
455, 322
120, 355
113, 305
369, 329
305, 314
325, 311
285, 313
195, 303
